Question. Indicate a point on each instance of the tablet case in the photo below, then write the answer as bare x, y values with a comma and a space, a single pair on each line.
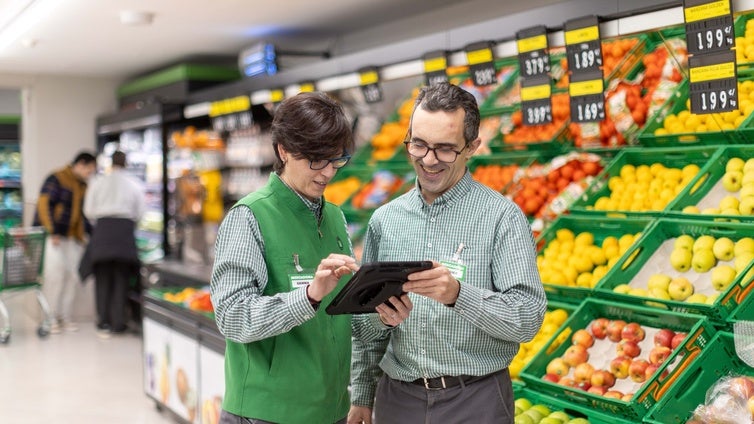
374, 283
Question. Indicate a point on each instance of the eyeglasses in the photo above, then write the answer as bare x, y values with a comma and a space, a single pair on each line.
337, 163
443, 153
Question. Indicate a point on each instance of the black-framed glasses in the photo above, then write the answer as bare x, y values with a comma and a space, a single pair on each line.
337, 163
444, 154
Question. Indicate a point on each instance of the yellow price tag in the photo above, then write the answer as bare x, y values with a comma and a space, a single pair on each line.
370, 77
228, 106
276, 95
538, 42
435, 64
476, 57
707, 11
536, 92
306, 87
585, 88
582, 35
712, 72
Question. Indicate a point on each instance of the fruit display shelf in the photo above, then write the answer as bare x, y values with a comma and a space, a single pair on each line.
557, 409
679, 265
572, 278
719, 193
717, 360
553, 370
653, 177
497, 171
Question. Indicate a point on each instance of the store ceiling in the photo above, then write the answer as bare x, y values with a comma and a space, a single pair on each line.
86, 37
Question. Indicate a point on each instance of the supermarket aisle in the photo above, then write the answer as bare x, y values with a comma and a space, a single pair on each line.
72, 377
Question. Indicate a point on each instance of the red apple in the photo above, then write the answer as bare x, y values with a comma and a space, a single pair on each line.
633, 332
613, 394
664, 337
575, 354
599, 327
584, 385
583, 372
628, 348
637, 370
597, 390
659, 354
742, 387
627, 397
750, 405
583, 338
619, 366
603, 378
558, 367
614, 330
552, 378
651, 369
567, 381
677, 340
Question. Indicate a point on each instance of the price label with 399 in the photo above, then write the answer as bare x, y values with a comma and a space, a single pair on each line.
709, 26
533, 58
714, 86
481, 63
536, 104
587, 97
583, 48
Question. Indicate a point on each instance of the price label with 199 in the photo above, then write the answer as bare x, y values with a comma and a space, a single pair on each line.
713, 83
710, 35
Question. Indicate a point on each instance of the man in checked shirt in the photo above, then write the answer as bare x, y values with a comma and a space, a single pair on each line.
440, 353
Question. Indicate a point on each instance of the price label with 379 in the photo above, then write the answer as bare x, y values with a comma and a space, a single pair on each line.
533, 58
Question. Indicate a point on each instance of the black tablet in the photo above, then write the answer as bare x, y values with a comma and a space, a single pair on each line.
373, 284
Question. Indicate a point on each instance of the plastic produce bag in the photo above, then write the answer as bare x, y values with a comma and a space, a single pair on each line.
727, 402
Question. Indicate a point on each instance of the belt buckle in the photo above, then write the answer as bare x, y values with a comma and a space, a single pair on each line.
426, 383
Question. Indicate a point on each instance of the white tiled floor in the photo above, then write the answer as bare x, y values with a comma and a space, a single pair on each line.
74, 378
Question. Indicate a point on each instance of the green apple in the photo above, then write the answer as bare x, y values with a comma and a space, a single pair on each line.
746, 191
722, 277
638, 291
550, 420
746, 206
747, 178
749, 165
703, 260
735, 164
544, 410
680, 259
691, 209
710, 211
560, 415
522, 403
732, 181
724, 249
711, 299
743, 245
703, 242
658, 281
680, 288
622, 288
684, 241
578, 421
696, 298
657, 293
742, 260
728, 202
523, 419
730, 211
535, 415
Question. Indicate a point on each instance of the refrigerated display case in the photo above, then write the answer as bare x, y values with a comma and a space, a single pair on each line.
11, 205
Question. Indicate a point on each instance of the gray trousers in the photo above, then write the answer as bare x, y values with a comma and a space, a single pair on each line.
489, 400
228, 418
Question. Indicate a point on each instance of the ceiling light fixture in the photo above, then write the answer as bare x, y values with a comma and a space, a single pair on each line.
136, 18
24, 18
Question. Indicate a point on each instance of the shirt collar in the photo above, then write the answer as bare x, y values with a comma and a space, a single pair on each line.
315, 207
456, 192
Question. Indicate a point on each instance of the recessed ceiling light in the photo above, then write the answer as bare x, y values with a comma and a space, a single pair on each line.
136, 18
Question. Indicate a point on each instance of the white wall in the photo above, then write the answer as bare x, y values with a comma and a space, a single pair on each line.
59, 115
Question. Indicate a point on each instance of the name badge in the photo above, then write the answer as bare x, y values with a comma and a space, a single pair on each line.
300, 280
457, 270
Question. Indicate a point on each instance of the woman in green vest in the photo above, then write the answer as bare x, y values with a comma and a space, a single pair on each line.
281, 251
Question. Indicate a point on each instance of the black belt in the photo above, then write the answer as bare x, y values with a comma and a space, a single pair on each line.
444, 382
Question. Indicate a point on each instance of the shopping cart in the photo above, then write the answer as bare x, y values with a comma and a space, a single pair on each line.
20, 266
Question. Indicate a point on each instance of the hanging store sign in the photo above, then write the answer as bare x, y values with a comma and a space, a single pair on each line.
709, 26
533, 58
481, 63
587, 97
435, 67
714, 86
369, 80
583, 48
536, 104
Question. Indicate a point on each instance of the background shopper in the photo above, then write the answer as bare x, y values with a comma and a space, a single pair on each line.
280, 253
115, 203
441, 353
59, 210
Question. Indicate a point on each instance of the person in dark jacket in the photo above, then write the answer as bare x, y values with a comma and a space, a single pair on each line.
115, 203
59, 211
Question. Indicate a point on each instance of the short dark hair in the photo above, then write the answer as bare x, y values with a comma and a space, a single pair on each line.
119, 159
448, 97
84, 158
311, 126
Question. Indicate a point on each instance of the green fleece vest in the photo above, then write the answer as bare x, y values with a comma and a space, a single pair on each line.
300, 376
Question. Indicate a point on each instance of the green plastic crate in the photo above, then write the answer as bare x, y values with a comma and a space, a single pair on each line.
573, 410
708, 190
560, 142
650, 255
699, 332
670, 157
677, 103
602, 229
718, 359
